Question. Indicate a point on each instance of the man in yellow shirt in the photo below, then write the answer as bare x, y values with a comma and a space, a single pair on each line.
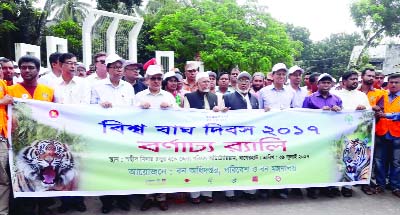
4, 173
29, 88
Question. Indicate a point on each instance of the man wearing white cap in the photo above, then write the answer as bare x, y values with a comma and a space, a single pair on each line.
276, 96
154, 96
113, 91
108, 93
202, 98
295, 73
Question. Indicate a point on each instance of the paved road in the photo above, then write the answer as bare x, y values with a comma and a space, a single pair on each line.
382, 204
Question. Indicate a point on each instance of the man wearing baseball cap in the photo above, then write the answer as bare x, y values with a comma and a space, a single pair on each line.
295, 73
276, 96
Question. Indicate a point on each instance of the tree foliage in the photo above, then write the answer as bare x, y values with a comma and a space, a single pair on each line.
226, 35
70, 30
332, 54
123, 6
20, 23
75, 10
376, 18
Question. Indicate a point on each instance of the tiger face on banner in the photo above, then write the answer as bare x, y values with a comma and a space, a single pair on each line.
356, 157
46, 165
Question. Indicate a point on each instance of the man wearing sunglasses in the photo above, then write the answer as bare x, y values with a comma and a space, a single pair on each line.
154, 96
99, 61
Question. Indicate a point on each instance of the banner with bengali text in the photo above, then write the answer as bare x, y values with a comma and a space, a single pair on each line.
87, 150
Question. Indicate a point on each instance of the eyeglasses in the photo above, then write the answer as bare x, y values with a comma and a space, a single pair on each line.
70, 63
156, 78
244, 81
115, 67
27, 67
101, 61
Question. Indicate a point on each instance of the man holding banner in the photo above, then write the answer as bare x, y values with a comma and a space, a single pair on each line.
387, 149
324, 100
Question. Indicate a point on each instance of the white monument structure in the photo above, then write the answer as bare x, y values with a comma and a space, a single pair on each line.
55, 44
22, 49
166, 59
88, 27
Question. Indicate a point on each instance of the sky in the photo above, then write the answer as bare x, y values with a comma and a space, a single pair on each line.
321, 17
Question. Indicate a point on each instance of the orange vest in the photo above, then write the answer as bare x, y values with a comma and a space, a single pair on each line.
386, 125
3, 110
42, 92
374, 96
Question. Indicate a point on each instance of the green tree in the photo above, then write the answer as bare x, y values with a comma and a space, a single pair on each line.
75, 10
376, 18
332, 54
122, 6
226, 35
20, 23
70, 30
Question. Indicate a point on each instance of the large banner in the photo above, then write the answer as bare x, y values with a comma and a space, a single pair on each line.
87, 150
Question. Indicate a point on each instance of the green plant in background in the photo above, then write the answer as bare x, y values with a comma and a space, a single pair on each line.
29, 130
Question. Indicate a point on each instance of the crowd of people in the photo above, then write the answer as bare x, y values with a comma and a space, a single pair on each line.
113, 82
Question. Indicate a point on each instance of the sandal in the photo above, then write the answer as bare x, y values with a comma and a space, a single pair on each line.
379, 189
367, 189
208, 199
195, 200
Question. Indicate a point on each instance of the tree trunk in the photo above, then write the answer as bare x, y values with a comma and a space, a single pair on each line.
368, 44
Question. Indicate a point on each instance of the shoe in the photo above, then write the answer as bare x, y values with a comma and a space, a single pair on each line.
195, 200
123, 205
297, 192
106, 209
147, 204
80, 206
335, 191
367, 189
312, 193
379, 189
249, 196
208, 199
230, 198
329, 192
63, 209
396, 192
45, 211
346, 192
163, 205
282, 194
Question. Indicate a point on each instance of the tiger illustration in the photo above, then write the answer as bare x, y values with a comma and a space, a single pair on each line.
46, 165
356, 157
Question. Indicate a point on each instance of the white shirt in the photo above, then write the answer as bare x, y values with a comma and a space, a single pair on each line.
50, 79
93, 79
299, 95
77, 91
121, 95
155, 99
276, 99
351, 99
